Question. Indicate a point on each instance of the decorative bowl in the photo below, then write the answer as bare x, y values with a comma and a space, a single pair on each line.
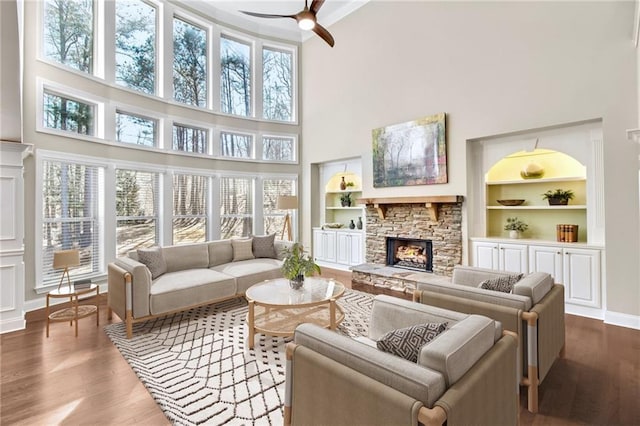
334, 225
510, 202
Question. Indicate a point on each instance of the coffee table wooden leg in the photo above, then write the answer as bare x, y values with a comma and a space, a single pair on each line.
332, 313
251, 323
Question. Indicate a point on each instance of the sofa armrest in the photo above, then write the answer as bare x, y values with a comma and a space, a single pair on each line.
550, 329
515, 301
488, 393
141, 285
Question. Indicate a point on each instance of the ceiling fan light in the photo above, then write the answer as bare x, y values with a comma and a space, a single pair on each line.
306, 24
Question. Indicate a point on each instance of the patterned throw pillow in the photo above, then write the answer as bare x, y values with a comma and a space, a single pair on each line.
154, 260
242, 249
263, 246
504, 283
407, 342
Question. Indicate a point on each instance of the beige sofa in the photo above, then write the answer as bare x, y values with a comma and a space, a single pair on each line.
196, 274
466, 375
534, 310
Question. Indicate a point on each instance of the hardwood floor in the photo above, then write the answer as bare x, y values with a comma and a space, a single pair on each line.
85, 380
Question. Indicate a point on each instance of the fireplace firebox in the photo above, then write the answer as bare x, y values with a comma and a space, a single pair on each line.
410, 253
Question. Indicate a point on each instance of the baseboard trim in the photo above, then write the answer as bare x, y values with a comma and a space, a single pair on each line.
584, 311
14, 324
622, 320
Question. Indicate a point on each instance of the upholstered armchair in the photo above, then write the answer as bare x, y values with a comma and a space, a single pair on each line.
466, 375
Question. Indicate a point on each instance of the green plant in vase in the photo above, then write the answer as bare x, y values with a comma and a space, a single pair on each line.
515, 226
345, 199
559, 197
297, 265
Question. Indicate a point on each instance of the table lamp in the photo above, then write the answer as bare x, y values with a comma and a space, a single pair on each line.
287, 202
64, 259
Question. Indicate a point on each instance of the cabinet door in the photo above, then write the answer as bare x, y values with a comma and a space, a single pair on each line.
319, 250
513, 258
329, 241
582, 277
547, 259
343, 247
485, 255
355, 257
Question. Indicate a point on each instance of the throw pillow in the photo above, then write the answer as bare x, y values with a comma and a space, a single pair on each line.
242, 249
154, 260
407, 342
504, 283
263, 246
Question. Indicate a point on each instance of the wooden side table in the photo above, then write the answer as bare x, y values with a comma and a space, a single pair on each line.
76, 311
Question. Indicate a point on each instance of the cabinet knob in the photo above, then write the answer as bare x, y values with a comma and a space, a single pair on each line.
558, 252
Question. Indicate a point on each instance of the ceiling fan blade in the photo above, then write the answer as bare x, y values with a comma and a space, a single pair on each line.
266, 15
324, 34
316, 5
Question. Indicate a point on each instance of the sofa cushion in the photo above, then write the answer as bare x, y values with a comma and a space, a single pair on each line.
250, 272
242, 249
153, 259
181, 289
220, 252
406, 342
453, 352
263, 246
186, 256
535, 285
473, 276
504, 283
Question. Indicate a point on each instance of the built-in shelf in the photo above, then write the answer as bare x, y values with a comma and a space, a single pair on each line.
569, 207
542, 180
430, 202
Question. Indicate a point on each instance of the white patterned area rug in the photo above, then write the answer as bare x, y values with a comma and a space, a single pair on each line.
197, 366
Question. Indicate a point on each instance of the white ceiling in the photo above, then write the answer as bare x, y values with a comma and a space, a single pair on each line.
227, 11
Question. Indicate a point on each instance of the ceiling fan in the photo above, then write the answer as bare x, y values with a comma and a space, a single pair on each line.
306, 19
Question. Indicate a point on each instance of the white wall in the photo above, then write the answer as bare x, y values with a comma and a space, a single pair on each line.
494, 68
9, 72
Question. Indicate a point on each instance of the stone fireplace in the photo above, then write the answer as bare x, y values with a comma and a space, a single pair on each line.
410, 220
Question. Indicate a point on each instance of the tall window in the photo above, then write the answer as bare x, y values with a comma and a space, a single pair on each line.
189, 208
278, 148
189, 63
68, 33
271, 189
67, 114
236, 145
189, 139
135, 45
235, 77
70, 216
277, 85
136, 210
135, 129
236, 207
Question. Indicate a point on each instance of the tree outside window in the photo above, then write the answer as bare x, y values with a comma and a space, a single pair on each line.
136, 210
67, 114
135, 45
135, 129
189, 139
235, 77
189, 63
68, 33
277, 85
278, 148
236, 145
189, 208
272, 189
236, 207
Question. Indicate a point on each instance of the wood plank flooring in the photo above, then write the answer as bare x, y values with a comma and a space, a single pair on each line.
69, 381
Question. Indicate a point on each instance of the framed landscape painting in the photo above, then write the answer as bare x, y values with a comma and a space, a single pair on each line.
412, 153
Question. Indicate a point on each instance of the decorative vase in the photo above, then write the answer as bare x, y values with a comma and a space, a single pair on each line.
514, 234
343, 184
297, 282
359, 223
352, 225
553, 201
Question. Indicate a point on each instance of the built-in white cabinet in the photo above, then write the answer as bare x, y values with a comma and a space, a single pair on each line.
577, 267
500, 256
338, 248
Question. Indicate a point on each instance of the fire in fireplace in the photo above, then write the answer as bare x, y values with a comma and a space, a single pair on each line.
410, 253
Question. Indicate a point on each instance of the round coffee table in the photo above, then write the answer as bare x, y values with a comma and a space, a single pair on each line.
276, 309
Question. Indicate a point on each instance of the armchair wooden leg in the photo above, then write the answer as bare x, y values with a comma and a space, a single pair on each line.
532, 391
129, 323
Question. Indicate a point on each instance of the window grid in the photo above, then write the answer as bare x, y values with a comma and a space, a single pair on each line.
136, 210
135, 129
236, 145
236, 207
190, 196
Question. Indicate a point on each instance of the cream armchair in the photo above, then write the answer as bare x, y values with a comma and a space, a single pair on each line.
466, 375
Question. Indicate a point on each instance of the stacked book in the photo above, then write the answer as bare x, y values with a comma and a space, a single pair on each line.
567, 233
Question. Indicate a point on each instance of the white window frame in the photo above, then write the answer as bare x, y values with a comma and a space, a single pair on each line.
293, 49
156, 131
255, 85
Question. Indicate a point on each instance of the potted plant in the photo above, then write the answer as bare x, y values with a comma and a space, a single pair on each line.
297, 265
559, 197
515, 226
345, 199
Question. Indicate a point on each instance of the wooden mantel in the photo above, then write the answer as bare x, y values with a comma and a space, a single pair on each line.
430, 202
